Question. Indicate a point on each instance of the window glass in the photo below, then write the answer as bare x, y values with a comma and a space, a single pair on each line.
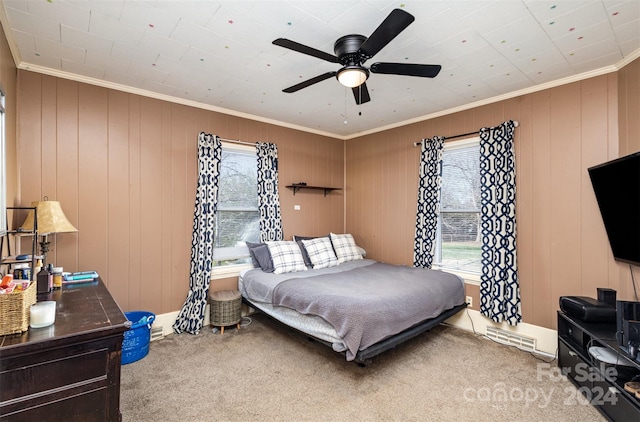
458, 240
237, 219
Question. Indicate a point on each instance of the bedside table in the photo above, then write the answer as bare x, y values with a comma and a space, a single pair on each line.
226, 309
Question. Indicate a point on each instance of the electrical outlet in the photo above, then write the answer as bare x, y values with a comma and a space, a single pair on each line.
469, 301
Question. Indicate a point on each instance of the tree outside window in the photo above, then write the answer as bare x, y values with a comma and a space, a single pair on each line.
458, 240
237, 219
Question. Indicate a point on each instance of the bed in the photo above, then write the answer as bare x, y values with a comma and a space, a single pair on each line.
357, 306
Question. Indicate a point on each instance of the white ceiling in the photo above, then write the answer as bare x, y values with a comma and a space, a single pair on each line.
218, 55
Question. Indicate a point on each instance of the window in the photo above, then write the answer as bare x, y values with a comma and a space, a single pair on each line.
237, 219
458, 244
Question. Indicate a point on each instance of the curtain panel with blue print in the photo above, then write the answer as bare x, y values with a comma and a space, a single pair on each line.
428, 208
191, 316
499, 284
268, 197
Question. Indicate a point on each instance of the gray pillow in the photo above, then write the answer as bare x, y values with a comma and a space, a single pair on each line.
305, 255
260, 256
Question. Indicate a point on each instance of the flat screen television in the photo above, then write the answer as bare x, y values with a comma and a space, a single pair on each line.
616, 185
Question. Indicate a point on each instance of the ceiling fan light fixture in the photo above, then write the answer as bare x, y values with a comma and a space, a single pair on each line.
352, 76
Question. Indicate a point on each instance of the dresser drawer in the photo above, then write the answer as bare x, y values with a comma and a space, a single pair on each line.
614, 402
573, 366
40, 373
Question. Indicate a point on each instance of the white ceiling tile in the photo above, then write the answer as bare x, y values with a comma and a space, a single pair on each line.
81, 69
106, 62
495, 14
328, 11
514, 31
81, 39
629, 33
66, 13
240, 27
145, 17
32, 58
133, 53
33, 24
461, 43
106, 26
594, 51
195, 11
55, 49
126, 79
630, 48
148, 72
546, 10
21, 5
24, 41
622, 13
163, 46
111, 8
597, 62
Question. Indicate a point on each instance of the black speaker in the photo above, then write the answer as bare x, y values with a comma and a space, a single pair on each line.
627, 322
587, 309
607, 296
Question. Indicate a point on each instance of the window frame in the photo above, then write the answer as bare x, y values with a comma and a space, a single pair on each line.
226, 271
469, 276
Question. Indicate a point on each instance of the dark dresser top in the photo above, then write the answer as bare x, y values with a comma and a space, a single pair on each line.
82, 311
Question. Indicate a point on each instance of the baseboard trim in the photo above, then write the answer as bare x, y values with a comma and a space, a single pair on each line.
469, 319
167, 320
546, 340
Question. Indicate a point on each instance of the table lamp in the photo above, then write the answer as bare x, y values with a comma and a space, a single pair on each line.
51, 220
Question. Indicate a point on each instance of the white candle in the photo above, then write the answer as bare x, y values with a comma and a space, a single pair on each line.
42, 314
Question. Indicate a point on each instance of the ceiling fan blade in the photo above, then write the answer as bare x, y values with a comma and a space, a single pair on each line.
309, 82
408, 69
361, 94
394, 24
300, 48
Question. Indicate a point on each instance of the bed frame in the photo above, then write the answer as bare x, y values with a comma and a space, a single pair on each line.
364, 356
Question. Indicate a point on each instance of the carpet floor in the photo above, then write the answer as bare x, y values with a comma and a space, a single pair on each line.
266, 372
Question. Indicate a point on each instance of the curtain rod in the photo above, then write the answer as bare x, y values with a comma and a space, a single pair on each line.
235, 141
515, 124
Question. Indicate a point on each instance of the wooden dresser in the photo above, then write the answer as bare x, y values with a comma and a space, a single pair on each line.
69, 371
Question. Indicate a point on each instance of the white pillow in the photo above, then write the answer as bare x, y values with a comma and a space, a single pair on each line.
345, 247
320, 252
286, 256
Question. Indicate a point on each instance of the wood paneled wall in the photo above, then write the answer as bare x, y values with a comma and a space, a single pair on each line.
562, 244
8, 83
123, 167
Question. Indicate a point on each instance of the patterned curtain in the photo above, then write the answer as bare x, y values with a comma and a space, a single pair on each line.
499, 287
268, 198
191, 316
428, 201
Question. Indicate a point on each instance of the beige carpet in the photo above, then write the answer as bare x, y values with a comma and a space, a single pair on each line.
265, 372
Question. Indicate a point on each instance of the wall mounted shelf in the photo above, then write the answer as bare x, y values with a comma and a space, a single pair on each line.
296, 187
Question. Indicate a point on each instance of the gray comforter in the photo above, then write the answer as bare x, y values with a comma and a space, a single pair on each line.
367, 304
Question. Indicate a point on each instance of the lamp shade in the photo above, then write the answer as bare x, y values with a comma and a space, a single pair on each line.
352, 76
51, 218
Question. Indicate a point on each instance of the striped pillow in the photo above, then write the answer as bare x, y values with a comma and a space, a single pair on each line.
286, 256
320, 252
345, 247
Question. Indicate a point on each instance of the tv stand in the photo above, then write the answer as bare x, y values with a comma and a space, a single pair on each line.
599, 384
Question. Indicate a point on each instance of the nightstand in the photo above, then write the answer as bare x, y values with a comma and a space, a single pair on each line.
226, 307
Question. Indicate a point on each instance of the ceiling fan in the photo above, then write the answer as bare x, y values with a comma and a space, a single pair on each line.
352, 51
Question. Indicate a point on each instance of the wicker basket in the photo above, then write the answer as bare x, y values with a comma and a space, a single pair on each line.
225, 308
15, 310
